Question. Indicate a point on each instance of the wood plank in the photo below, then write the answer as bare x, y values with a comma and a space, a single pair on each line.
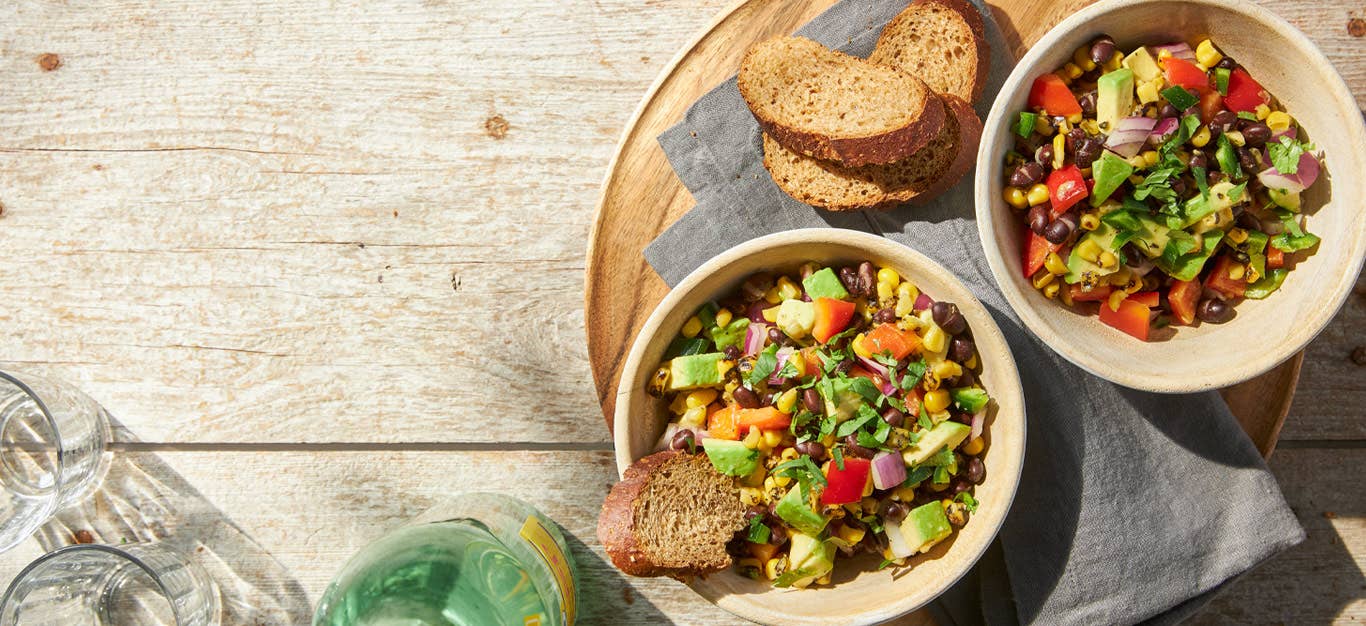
1332, 391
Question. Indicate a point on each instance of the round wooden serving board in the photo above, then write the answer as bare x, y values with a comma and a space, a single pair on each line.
641, 196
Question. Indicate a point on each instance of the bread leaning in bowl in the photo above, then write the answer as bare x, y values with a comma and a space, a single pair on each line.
672, 514
829, 105
926, 174
942, 42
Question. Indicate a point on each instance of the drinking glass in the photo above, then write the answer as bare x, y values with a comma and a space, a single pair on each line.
52, 451
99, 585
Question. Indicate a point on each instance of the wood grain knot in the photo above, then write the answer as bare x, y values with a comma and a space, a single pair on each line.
83, 536
1356, 27
48, 61
496, 126
1359, 355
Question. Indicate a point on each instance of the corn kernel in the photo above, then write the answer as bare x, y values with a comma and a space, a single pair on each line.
701, 397
1136, 161
789, 454
1147, 92
1015, 197
751, 439
935, 339
1116, 60
1236, 271
1091, 127
724, 366
782, 481
1071, 71
750, 496
868, 485
1201, 137
885, 291
1163, 55
859, 348
771, 314
1135, 179
1074, 118
1066, 296
904, 494
1262, 112
1207, 54
823, 580
1089, 221
693, 418
1043, 127
947, 369
723, 318
786, 401
774, 567
1088, 249
1042, 279
1038, 194
930, 382
772, 296
1117, 296
1051, 290
679, 404
1082, 58
787, 289
936, 401
1108, 260
906, 293
974, 446
1278, 120
1236, 138
773, 438
889, 275
755, 478
1150, 157
1059, 152
1237, 235
1055, 264
692, 327
851, 534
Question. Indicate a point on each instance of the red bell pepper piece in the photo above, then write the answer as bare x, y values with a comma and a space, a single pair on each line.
1210, 104
846, 485
1035, 253
889, 338
1275, 258
1066, 187
1053, 96
832, 317
1186, 74
721, 422
811, 362
1146, 298
763, 418
859, 371
1244, 93
1220, 281
1183, 296
1096, 294
1131, 318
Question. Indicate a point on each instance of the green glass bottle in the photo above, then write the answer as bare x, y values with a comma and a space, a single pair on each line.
478, 560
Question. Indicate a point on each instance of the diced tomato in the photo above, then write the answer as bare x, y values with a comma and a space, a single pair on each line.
859, 371
1210, 104
1053, 96
1186, 74
1096, 294
1146, 298
1131, 318
832, 317
762, 551
1275, 259
811, 362
1183, 296
763, 418
1035, 253
846, 485
1244, 93
889, 338
1066, 187
1220, 281
721, 422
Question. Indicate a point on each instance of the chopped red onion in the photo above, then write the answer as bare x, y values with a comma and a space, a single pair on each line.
1163, 129
1129, 135
782, 354
888, 470
1180, 50
978, 420
1305, 174
873, 366
755, 336
1288, 132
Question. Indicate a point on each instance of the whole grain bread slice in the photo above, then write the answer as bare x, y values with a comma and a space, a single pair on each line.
672, 514
829, 105
926, 174
942, 42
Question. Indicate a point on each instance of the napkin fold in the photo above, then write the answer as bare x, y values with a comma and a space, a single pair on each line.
1132, 507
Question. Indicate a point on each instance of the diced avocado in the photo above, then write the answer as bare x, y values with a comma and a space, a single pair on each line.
696, 370
1142, 64
1152, 239
795, 510
1201, 206
1114, 97
945, 436
1109, 172
732, 335
731, 458
809, 559
796, 318
824, 284
970, 399
841, 401
1289, 200
925, 526
1187, 266
1080, 270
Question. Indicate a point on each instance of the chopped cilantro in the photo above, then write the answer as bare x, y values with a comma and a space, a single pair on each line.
917, 474
758, 530
914, 372
804, 471
1285, 156
837, 455
968, 501
764, 365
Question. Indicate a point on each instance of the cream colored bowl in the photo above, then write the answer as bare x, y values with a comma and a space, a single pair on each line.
859, 595
1264, 332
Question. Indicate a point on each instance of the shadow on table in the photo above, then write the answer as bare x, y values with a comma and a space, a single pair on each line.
606, 596
143, 499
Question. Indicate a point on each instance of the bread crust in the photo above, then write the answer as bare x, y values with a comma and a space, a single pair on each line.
969, 136
971, 16
849, 151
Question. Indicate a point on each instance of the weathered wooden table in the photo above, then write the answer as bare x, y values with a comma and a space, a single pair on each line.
323, 262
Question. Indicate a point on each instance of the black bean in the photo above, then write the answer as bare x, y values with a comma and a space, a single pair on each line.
731, 352
885, 315
1227, 63
852, 448
844, 366
1216, 177
1088, 104
849, 277
1199, 160
1088, 151
893, 417
892, 511
1221, 122
1168, 111
1027, 174
961, 418
1249, 221
746, 398
1057, 231
811, 399
1256, 134
976, 471
1246, 160
961, 349
1074, 138
812, 449
684, 440
947, 316
1102, 49
1178, 185
959, 486
1038, 218
1214, 311
1193, 110
1044, 155
966, 379
777, 336
867, 279
1272, 226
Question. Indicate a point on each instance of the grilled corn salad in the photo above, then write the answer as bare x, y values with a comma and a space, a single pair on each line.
845, 403
1161, 186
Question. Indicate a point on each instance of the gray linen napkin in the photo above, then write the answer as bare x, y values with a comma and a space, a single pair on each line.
1133, 506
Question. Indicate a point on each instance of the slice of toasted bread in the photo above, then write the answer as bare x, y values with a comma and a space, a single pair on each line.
942, 42
919, 178
672, 514
829, 105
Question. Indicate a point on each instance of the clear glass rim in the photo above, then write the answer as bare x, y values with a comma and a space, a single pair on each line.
60, 470
94, 547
